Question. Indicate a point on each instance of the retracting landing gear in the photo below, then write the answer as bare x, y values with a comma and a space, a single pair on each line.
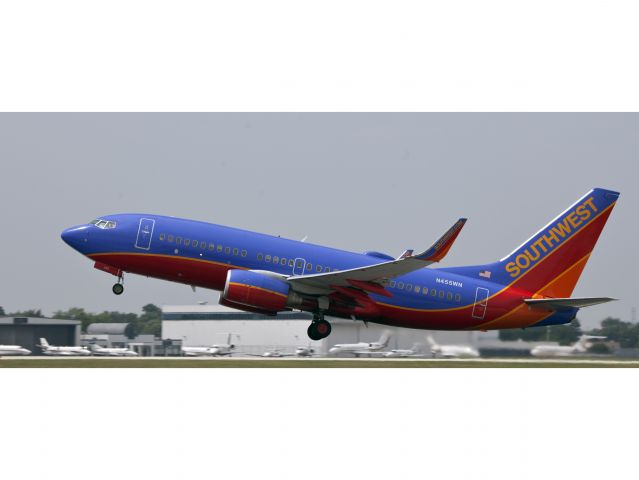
319, 328
118, 288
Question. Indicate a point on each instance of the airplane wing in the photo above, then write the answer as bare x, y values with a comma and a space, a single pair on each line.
565, 303
371, 278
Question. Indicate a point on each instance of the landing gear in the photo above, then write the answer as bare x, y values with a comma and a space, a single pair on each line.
319, 328
118, 288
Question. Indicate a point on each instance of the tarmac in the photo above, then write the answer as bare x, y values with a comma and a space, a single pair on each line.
259, 362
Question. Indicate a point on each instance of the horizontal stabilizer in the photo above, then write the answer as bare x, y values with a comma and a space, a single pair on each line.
566, 303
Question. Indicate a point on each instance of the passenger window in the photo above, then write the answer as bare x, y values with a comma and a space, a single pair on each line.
244, 253
409, 287
260, 257
227, 250
433, 293
187, 242
283, 261
161, 236
309, 266
170, 239
458, 297
441, 294
194, 243
276, 259
203, 245
327, 269
400, 285
318, 268
219, 248
392, 284
417, 288
425, 290
299, 264
267, 258
211, 247
236, 251
291, 262
449, 296
178, 240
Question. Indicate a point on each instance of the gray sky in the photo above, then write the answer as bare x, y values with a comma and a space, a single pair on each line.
355, 181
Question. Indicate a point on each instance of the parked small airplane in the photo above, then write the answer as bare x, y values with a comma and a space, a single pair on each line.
416, 351
276, 353
6, 350
211, 351
111, 352
305, 352
258, 273
451, 351
362, 348
579, 348
62, 351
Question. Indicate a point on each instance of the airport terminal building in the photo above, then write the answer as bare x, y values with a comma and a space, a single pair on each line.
205, 325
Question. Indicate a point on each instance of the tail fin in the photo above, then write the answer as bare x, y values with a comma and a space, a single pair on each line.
385, 338
550, 263
44, 343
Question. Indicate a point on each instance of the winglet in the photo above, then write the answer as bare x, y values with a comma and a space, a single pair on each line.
441, 246
406, 254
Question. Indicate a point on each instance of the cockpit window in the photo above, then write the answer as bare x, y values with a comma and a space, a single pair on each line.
103, 224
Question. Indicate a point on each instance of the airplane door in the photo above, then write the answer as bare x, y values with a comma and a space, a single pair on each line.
481, 303
298, 268
145, 232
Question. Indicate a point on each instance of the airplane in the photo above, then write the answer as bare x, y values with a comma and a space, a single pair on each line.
451, 351
6, 350
276, 353
62, 351
267, 274
414, 352
305, 351
212, 351
362, 348
579, 348
111, 352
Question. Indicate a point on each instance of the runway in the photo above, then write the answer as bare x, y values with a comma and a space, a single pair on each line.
257, 362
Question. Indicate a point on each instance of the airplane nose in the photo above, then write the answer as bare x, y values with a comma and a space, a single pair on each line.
76, 237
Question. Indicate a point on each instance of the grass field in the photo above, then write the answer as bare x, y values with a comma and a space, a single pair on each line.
39, 362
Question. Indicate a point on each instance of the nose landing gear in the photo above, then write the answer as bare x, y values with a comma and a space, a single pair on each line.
118, 288
319, 328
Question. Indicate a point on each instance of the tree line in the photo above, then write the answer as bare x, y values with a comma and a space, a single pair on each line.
148, 322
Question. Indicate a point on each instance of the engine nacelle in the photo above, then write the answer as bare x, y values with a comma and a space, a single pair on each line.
257, 291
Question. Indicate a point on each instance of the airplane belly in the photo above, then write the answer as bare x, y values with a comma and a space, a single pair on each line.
190, 271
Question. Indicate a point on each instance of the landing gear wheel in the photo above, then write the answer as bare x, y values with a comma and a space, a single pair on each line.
323, 328
118, 288
312, 332
319, 329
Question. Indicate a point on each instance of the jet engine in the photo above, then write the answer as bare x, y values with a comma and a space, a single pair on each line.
253, 291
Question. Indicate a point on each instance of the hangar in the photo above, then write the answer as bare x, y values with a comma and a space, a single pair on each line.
27, 331
205, 325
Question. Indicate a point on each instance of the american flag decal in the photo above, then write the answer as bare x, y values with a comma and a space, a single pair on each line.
485, 274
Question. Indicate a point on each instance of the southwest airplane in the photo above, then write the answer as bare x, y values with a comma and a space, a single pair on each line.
266, 274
